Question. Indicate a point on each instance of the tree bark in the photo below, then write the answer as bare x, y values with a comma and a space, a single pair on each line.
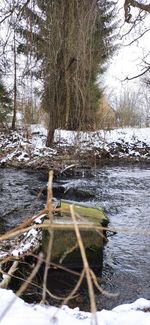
50, 137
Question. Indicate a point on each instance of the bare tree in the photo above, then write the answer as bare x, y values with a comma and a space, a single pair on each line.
145, 104
128, 109
16, 72
136, 15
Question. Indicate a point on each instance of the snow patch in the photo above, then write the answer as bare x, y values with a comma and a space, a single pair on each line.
15, 311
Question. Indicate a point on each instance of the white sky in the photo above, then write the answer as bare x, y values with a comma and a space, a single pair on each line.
127, 62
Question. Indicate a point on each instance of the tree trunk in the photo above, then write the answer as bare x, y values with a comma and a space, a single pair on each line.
15, 86
50, 137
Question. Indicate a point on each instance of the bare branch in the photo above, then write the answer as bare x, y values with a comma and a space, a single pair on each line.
137, 4
139, 75
12, 10
133, 25
8, 15
137, 38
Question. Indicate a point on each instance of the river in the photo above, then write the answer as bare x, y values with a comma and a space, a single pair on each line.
124, 193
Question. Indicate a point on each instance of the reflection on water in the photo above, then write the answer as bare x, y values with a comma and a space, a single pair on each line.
124, 192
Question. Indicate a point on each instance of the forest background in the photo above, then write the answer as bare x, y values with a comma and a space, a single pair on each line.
56, 58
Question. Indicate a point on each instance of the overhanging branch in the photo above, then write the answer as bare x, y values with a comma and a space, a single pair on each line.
139, 75
135, 4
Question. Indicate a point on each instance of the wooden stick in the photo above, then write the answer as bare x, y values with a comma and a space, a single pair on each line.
7, 277
85, 264
51, 233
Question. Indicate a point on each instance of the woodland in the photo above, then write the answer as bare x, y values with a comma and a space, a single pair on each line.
53, 55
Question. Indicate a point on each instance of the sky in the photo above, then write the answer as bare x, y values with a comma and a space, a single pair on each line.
127, 61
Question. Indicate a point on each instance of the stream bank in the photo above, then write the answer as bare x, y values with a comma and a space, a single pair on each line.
25, 148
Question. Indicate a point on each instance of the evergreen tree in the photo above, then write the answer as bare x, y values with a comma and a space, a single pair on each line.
72, 40
5, 103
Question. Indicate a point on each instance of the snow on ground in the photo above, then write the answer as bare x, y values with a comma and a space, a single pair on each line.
28, 147
24, 147
121, 143
15, 311
103, 137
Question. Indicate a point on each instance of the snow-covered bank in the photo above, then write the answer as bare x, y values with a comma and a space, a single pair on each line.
28, 149
100, 138
15, 311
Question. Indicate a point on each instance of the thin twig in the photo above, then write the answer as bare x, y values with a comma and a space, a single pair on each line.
104, 292
115, 230
85, 264
48, 258
51, 234
58, 266
22, 288
73, 292
7, 277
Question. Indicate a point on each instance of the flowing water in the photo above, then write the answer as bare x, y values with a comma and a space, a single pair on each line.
124, 193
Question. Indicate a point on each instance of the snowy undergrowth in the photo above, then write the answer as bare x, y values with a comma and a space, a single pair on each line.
31, 150
102, 137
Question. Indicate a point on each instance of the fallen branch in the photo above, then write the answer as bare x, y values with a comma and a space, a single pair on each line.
7, 276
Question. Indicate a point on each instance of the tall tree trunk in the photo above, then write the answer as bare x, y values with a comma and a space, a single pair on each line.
15, 86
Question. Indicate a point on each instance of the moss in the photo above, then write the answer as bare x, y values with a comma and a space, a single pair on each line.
95, 215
